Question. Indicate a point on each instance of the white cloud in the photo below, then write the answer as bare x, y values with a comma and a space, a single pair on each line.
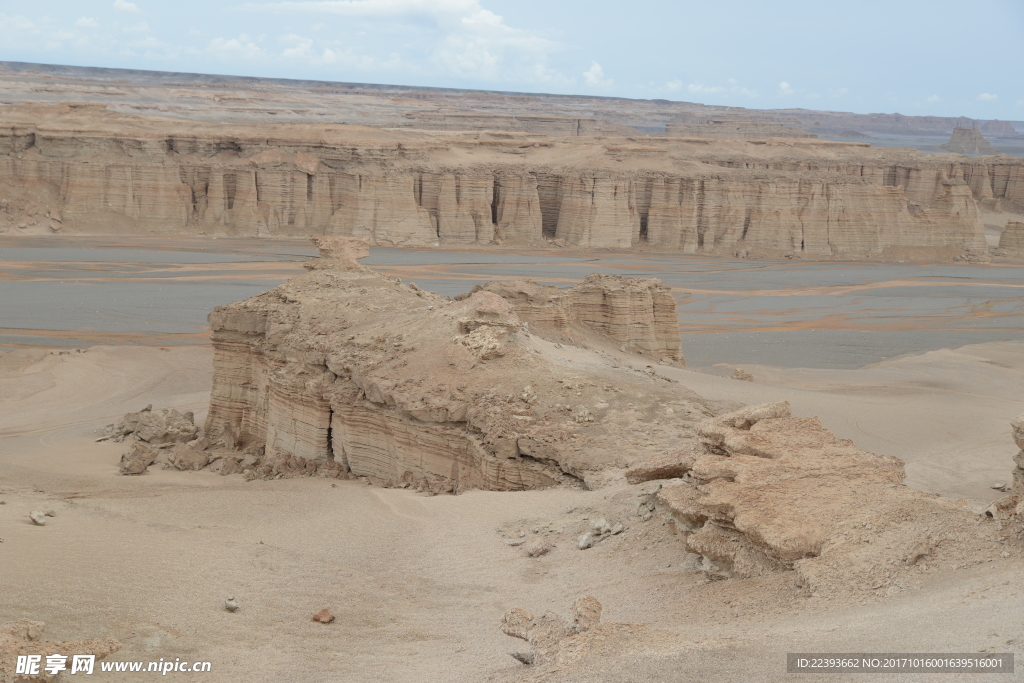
673, 85
785, 89
241, 47
934, 98
1020, 103
86, 22
125, 6
594, 76
432, 37
699, 89
140, 27
987, 97
836, 94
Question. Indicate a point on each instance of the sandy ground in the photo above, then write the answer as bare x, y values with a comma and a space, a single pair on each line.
418, 583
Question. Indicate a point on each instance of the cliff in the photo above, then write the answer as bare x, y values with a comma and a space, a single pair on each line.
1011, 240
968, 141
84, 169
344, 370
732, 129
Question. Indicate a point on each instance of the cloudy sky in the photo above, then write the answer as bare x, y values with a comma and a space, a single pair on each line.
915, 57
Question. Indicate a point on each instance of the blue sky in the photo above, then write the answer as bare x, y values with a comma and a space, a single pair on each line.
915, 57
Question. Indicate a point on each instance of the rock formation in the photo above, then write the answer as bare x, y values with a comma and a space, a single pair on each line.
87, 170
639, 314
968, 141
1011, 240
154, 427
347, 371
769, 492
726, 128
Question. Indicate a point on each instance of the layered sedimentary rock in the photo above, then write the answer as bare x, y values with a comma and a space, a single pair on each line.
716, 128
546, 125
1011, 239
639, 314
84, 170
968, 141
347, 369
768, 492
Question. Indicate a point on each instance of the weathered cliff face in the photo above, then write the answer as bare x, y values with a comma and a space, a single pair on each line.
638, 314
349, 367
1011, 240
87, 173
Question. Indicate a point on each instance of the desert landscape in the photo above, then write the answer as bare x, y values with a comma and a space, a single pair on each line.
335, 381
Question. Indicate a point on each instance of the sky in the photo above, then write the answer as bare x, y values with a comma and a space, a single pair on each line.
941, 57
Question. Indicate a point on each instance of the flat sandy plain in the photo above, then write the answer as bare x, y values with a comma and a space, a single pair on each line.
418, 583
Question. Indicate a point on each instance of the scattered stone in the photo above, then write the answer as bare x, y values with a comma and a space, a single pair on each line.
742, 375
546, 632
50, 512
585, 541
38, 517
230, 604
600, 526
154, 427
537, 547
137, 459
617, 529
184, 457
324, 616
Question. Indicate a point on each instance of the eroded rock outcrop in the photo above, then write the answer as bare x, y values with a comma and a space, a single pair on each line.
1011, 240
84, 169
350, 371
771, 492
155, 427
639, 314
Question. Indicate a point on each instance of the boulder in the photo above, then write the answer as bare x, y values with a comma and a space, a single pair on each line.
137, 459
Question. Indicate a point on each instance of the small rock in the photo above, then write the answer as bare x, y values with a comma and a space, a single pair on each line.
1005, 554
568, 510
522, 534
230, 604
537, 547
742, 375
585, 541
324, 616
38, 517
617, 529
1001, 486
600, 526
524, 657
646, 517
50, 513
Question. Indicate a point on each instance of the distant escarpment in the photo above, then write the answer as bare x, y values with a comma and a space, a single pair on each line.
83, 169
968, 141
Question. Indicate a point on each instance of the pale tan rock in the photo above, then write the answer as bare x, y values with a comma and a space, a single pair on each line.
637, 313
1011, 240
780, 493
1017, 425
155, 426
137, 458
344, 371
666, 467
810, 198
184, 457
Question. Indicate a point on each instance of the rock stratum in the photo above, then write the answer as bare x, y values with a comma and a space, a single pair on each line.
345, 371
84, 169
